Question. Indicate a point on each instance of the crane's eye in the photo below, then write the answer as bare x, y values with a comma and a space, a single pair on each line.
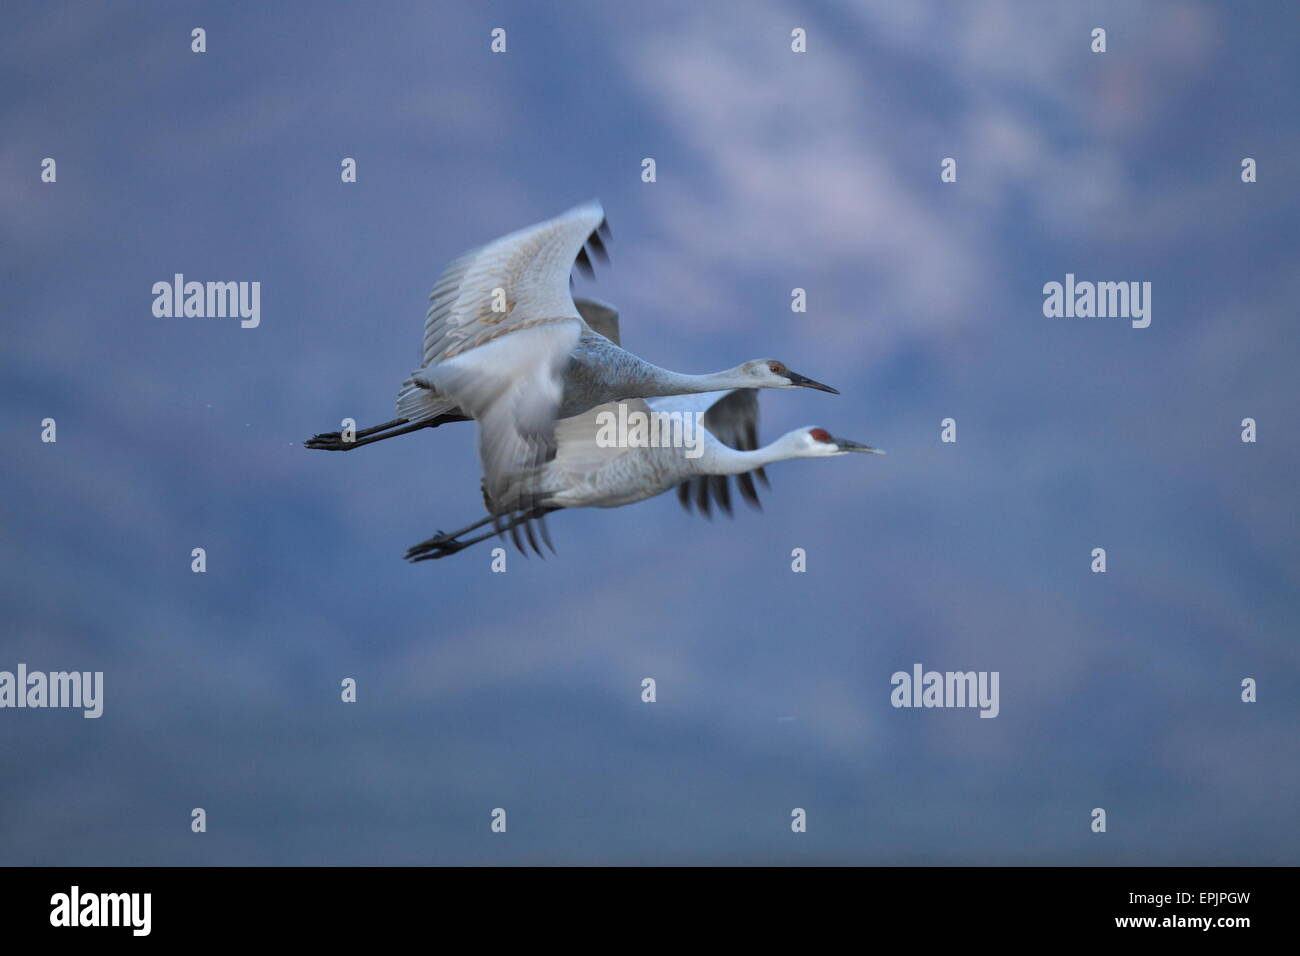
776, 367
820, 434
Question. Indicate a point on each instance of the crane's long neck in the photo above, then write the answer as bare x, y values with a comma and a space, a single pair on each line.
602, 369
654, 381
720, 459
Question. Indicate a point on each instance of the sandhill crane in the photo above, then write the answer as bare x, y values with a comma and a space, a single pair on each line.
584, 473
506, 345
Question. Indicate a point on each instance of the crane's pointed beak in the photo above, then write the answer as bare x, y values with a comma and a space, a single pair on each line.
801, 381
843, 444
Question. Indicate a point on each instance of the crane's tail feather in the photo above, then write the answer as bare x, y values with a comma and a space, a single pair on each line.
416, 401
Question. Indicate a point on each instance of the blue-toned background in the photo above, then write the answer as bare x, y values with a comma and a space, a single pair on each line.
522, 690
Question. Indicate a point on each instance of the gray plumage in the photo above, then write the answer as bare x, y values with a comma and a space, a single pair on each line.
506, 344
585, 472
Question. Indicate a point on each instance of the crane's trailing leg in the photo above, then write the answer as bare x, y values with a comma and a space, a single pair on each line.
443, 538
333, 441
444, 544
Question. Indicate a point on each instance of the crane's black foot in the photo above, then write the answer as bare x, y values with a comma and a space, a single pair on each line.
443, 544
333, 441
438, 542
448, 547
329, 441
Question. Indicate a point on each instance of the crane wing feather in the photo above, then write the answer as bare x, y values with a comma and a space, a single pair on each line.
733, 420
497, 338
577, 451
601, 317
516, 282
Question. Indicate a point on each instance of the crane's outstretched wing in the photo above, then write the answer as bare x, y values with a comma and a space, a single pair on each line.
497, 338
601, 317
516, 282
733, 420
578, 453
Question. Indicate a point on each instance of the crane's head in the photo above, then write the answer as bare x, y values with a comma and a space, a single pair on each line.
769, 373
819, 443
